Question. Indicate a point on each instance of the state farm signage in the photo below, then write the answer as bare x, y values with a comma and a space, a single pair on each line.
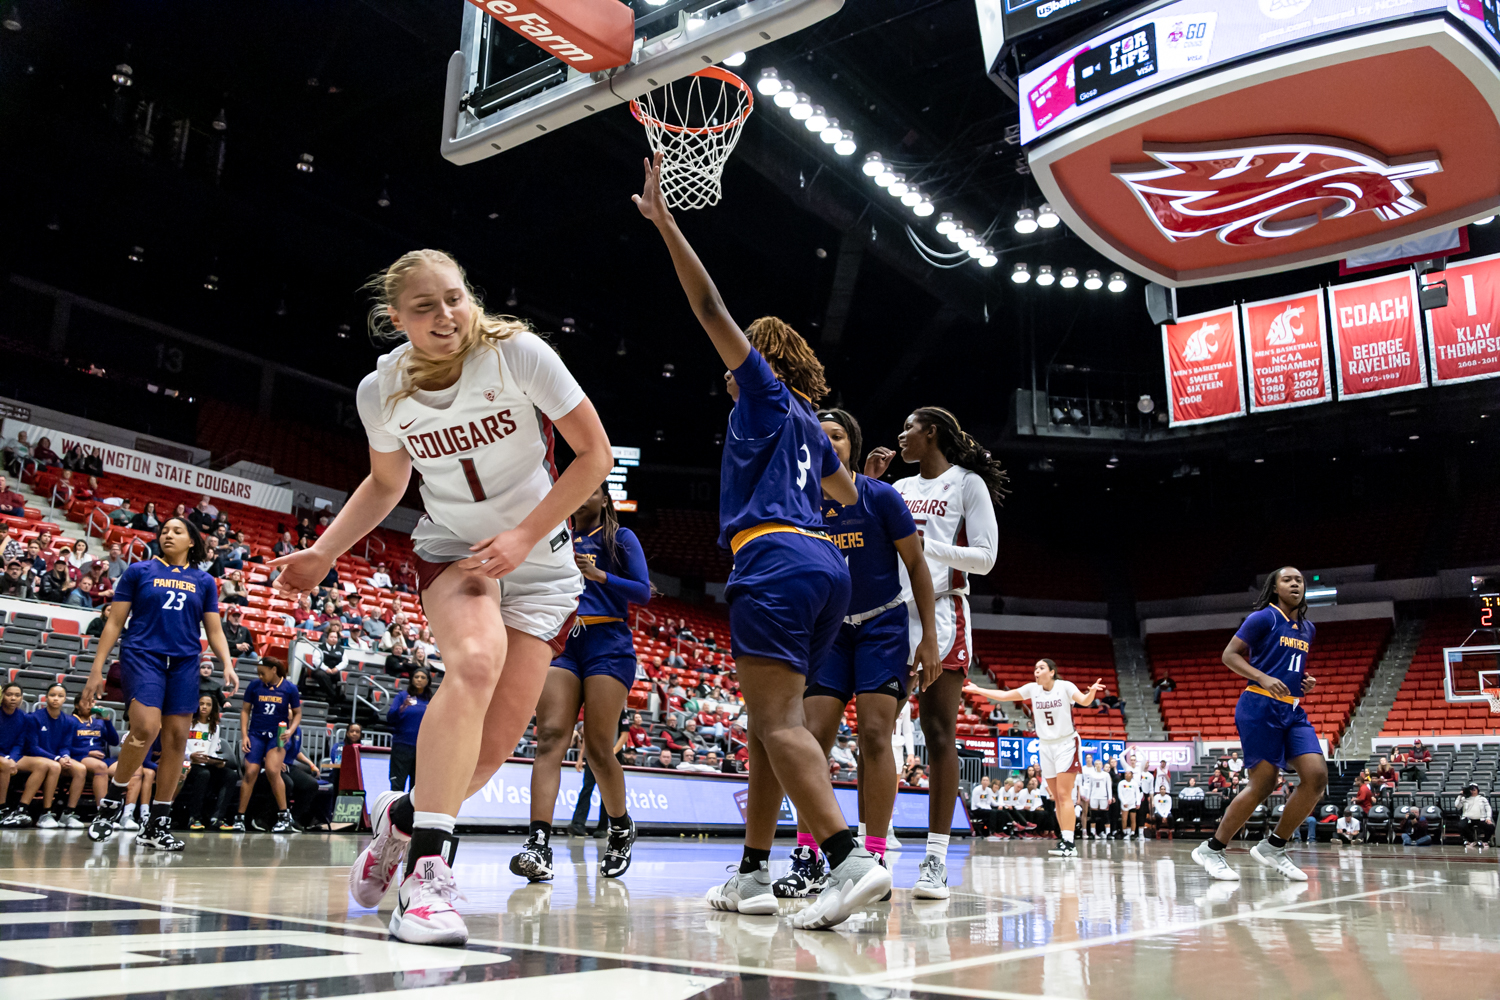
1377, 342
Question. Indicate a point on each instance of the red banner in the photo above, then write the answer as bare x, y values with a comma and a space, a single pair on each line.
1286, 351
1464, 336
1377, 343
1204, 378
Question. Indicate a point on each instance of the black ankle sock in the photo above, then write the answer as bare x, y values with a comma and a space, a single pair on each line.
838, 847
541, 826
1275, 841
620, 822
1216, 845
753, 859
403, 814
427, 842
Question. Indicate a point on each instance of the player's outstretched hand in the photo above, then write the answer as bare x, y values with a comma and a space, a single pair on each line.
878, 461
1096, 688
1308, 683
650, 201
497, 556
301, 571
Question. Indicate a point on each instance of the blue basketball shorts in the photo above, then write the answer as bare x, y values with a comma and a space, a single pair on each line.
1273, 730
604, 650
161, 681
787, 597
870, 656
260, 745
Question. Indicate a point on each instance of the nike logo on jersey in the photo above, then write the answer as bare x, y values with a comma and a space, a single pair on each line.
802, 467
408, 423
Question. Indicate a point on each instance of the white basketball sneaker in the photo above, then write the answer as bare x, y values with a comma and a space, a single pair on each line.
375, 868
1273, 857
1214, 863
424, 906
745, 892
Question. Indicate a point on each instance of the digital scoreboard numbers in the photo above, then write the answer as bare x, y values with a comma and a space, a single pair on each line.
1487, 611
1117, 63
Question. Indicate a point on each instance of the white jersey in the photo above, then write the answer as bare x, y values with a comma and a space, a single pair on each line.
484, 445
1161, 804
1052, 711
1130, 794
956, 519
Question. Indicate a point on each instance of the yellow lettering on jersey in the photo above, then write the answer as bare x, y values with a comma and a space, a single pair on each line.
849, 540
187, 585
275, 698
592, 557
1301, 644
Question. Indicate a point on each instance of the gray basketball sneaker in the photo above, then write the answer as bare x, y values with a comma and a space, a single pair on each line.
852, 886
745, 892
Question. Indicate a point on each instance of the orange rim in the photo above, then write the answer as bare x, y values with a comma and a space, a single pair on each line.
713, 73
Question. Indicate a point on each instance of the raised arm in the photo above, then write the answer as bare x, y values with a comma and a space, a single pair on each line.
1001, 695
702, 295
1086, 698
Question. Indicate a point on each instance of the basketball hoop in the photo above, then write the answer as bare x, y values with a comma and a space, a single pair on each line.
1492, 695
694, 123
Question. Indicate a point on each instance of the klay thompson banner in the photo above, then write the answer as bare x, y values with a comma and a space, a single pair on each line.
1204, 375
1463, 337
1286, 352
1377, 336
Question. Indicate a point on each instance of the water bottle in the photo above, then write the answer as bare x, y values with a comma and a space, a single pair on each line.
281, 734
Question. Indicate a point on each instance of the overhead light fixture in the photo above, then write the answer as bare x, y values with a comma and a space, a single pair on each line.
786, 96
696, 20
945, 223
923, 208
211, 283
12, 19
342, 333
384, 201
305, 164
1019, 274
1046, 217
978, 251
956, 234
621, 349
831, 132
1044, 275
137, 255
735, 59
988, 260
568, 324
845, 146
801, 107
817, 121
1414, 437
1484, 221
1092, 281
667, 371
968, 240
913, 197
1145, 404
1025, 221
1069, 278
886, 177
220, 122
1260, 461
769, 83
897, 186
511, 300
874, 165
1117, 282
123, 76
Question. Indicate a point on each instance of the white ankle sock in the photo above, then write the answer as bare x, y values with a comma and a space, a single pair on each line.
861, 831
1068, 836
434, 821
937, 845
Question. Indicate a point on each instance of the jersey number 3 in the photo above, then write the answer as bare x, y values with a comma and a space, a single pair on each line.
476, 488
175, 601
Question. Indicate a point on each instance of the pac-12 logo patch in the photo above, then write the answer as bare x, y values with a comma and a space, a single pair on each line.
489, 395
1250, 191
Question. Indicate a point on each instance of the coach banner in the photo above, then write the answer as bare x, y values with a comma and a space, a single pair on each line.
1377, 344
1464, 336
1286, 352
155, 469
1202, 356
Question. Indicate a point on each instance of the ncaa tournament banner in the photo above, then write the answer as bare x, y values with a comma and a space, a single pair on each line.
1286, 351
1377, 342
1463, 338
1202, 356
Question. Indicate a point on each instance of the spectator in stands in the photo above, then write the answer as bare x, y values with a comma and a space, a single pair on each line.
685, 633
667, 631
673, 735
232, 588
1478, 818
55, 584
81, 595
1364, 794
381, 578
122, 515
285, 545
73, 458
420, 659
43, 454
1349, 829
49, 749
1190, 802
208, 685
10, 549
1414, 829
36, 557
93, 465
17, 450
211, 563
711, 761
406, 578
405, 719
146, 520
203, 515
1234, 763
14, 582
241, 642
302, 613
236, 551
690, 761
662, 760
1416, 759
1161, 687
638, 735
693, 737
322, 674
209, 774
1385, 777
356, 638
116, 564
89, 490
11, 502
101, 587
76, 558
841, 755
675, 660
628, 757
374, 623
1160, 820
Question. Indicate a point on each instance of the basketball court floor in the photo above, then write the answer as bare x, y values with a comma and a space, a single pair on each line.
253, 916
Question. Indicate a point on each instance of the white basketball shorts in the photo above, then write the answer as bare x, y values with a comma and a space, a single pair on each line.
1061, 756
955, 633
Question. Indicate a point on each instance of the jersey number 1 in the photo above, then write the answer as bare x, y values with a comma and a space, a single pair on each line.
476, 488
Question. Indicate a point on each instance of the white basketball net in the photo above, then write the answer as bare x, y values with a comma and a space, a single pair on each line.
694, 123
1493, 696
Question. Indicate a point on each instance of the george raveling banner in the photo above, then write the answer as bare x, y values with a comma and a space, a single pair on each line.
1377, 336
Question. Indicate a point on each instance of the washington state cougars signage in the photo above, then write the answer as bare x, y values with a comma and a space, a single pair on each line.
1377, 336
1463, 338
1286, 352
1204, 379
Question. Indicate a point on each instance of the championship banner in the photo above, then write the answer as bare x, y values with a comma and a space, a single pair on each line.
1464, 336
1286, 352
1204, 378
155, 469
1377, 344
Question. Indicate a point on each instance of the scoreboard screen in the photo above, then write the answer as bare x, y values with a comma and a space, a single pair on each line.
1023, 16
1487, 611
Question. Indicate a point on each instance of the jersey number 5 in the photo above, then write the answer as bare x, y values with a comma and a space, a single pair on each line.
476, 488
1048, 714
175, 601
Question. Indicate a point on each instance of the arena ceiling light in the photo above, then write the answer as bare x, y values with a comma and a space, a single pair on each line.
1026, 222
305, 164
979, 251
1117, 282
831, 132
734, 59
887, 177
12, 19
1092, 281
801, 107
1044, 275
786, 96
1069, 278
874, 165
913, 197
945, 223
1020, 274
816, 121
845, 146
769, 83
123, 76
897, 187
1046, 217
923, 208
988, 260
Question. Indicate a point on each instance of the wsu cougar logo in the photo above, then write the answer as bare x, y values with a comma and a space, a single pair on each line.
1199, 346
1282, 331
1250, 191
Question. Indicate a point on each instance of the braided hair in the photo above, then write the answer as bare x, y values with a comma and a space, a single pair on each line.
610, 521
846, 420
960, 448
789, 356
1267, 595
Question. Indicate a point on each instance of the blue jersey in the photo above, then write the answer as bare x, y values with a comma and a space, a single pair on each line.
628, 583
1279, 647
775, 456
271, 706
167, 605
866, 532
48, 737
93, 733
13, 734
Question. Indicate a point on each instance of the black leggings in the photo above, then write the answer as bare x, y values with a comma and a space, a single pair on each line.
403, 766
1477, 830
